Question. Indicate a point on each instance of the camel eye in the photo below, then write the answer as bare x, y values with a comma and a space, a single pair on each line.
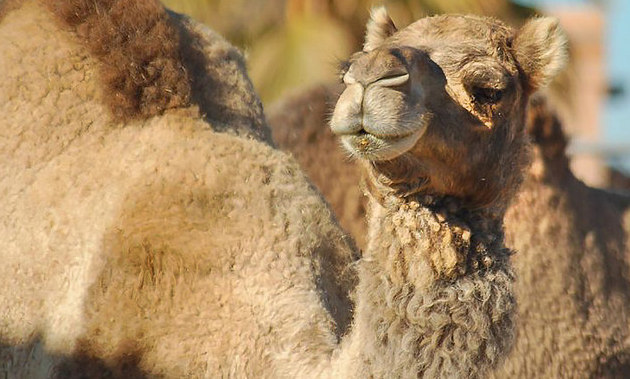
483, 95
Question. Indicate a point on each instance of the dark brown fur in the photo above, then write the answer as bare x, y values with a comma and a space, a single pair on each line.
79, 365
545, 129
85, 366
574, 285
138, 47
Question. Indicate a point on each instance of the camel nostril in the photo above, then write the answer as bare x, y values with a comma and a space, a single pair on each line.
393, 80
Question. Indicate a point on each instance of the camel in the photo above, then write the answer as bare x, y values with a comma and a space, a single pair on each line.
150, 228
571, 258
435, 115
573, 285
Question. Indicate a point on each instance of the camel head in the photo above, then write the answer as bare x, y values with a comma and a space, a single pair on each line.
438, 107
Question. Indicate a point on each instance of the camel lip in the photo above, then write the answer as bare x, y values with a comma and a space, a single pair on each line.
363, 131
368, 146
387, 137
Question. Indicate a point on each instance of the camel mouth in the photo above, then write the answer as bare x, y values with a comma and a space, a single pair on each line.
366, 145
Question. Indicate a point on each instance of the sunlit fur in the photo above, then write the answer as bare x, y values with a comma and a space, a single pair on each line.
449, 59
178, 243
436, 206
163, 242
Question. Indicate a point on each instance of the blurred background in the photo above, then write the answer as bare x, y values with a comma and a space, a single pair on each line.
291, 44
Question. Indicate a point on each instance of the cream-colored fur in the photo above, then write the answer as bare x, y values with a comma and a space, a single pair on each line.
379, 27
156, 247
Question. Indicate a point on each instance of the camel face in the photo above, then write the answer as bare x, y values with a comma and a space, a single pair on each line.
459, 83
437, 105
382, 112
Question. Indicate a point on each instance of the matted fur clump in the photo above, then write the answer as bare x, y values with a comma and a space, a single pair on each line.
138, 48
435, 115
470, 276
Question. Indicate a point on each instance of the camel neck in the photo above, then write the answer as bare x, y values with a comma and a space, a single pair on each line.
438, 233
435, 291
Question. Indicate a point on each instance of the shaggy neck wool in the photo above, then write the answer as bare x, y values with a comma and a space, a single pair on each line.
435, 290
474, 237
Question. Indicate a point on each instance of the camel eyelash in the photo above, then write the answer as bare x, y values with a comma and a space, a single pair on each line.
486, 95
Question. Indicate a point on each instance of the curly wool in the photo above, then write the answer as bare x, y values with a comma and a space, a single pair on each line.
465, 340
152, 60
573, 266
155, 246
161, 247
428, 308
428, 305
298, 124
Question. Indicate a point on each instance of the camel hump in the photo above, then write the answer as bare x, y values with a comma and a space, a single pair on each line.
138, 47
148, 60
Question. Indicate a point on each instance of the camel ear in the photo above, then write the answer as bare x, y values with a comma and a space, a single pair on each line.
379, 27
540, 48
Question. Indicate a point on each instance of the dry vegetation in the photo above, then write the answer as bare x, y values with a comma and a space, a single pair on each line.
293, 43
